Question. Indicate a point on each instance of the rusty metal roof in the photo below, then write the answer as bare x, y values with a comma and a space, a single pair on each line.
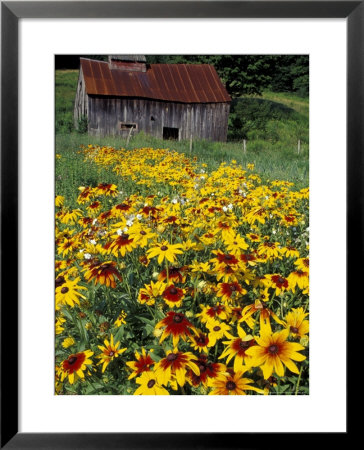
185, 83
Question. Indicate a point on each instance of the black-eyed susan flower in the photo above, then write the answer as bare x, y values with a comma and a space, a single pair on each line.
86, 193
143, 363
271, 249
279, 283
141, 235
165, 250
303, 264
175, 325
253, 237
70, 216
230, 291
299, 278
290, 252
208, 370
120, 244
149, 385
217, 330
175, 364
175, 274
210, 313
296, 323
235, 244
75, 365
110, 351
107, 189
265, 313
236, 348
151, 292
102, 273
199, 341
272, 350
232, 383
68, 292
173, 296
67, 246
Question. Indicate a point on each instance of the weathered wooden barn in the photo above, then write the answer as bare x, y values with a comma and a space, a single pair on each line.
169, 101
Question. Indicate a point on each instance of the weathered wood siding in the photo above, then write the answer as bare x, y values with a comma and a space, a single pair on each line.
81, 100
202, 120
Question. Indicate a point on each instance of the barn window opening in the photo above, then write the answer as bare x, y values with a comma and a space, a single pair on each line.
152, 118
170, 133
127, 126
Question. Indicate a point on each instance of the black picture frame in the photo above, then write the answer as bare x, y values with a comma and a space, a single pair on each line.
11, 12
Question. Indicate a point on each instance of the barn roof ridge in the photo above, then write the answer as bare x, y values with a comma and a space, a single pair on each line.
184, 83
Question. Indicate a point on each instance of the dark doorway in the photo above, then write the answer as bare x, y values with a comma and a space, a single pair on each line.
170, 133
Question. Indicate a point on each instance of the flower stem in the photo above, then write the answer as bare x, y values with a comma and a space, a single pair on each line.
167, 271
298, 381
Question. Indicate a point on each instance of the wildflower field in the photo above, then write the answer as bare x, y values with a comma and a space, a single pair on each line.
181, 279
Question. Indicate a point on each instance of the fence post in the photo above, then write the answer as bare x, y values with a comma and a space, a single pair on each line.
191, 143
129, 135
244, 146
299, 146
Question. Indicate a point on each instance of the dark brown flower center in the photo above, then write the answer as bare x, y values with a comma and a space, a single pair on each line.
151, 383
171, 357
143, 233
230, 385
72, 360
244, 345
178, 318
273, 349
173, 290
294, 329
59, 281
202, 368
64, 290
217, 328
164, 248
111, 353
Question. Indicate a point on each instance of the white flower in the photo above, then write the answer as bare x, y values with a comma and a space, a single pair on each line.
224, 208
230, 206
274, 231
125, 230
94, 221
92, 241
119, 232
139, 216
129, 222
174, 201
87, 256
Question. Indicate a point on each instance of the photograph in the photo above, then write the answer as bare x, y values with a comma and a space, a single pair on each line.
182, 235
